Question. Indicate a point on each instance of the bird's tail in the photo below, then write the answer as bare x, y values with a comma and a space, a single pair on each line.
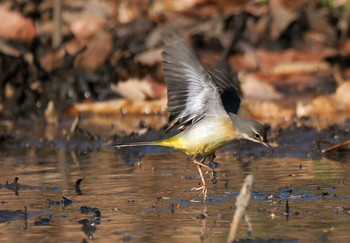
137, 144
173, 142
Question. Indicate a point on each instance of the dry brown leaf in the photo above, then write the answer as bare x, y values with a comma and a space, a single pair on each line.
128, 11
269, 59
318, 22
9, 91
73, 46
161, 6
52, 59
86, 27
327, 105
136, 89
321, 105
269, 109
120, 106
253, 88
285, 68
149, 57
281, 18
15, 26
98, 49
50, 113
346, 47
342, 95
125, 125
244, 62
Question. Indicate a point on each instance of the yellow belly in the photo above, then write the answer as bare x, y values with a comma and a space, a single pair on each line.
202, 138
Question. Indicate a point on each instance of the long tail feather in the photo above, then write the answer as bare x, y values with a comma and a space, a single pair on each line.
136, 144
173, 142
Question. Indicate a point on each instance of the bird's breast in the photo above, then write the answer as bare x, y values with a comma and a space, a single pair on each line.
207, 136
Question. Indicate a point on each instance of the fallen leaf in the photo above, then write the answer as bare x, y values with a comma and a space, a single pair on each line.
285, 68
15, 26
123, 125
86, 27
127, 12
318, 22
73, 46
120, 106
9, 91
281, 17
268, 60
342, 95
52, 59
170, 5
255, 89
269, 109
321, 105
136, 89
149, 57
50, 113
98, 49
326, 105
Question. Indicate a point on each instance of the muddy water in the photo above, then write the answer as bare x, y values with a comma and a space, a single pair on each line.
144, 194
148, 198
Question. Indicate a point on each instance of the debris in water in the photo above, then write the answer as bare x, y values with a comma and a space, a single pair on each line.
241, 204
65, 202
51, 114
77, 186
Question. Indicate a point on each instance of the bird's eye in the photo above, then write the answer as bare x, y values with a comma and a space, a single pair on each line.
257, 136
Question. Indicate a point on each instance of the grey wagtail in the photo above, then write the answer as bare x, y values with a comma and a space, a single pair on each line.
204, 103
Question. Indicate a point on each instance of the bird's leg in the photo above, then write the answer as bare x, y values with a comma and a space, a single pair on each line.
204, 184
200, 163
211, 172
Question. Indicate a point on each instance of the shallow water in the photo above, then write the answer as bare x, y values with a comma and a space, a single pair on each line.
146, 197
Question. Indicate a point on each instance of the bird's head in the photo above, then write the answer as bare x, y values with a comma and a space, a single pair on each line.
250, 130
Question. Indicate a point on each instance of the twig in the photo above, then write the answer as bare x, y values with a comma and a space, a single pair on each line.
241, 204
336, 146
57, 19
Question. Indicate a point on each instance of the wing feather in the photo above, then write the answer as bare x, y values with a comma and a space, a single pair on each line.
192, 93
229, 88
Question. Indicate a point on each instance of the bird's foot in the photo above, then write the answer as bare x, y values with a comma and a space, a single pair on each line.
204, 191
204, 184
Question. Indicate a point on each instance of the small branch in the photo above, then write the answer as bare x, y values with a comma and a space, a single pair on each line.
241, 204
57, 20
336, 146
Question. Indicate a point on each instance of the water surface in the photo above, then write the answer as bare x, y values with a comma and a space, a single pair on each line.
146, 197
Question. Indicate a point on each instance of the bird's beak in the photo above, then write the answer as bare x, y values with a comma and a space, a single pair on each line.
267, 146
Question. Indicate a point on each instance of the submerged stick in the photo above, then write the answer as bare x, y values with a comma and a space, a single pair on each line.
241, 206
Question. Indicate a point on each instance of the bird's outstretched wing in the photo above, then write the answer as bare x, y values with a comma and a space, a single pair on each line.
192, 94
228, 85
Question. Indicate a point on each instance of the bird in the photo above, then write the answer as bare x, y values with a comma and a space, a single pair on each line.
203, 105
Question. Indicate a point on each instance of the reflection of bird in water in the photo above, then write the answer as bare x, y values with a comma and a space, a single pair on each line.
204, 104
89, 225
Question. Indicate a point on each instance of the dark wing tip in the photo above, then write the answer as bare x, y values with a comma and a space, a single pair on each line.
229, 87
